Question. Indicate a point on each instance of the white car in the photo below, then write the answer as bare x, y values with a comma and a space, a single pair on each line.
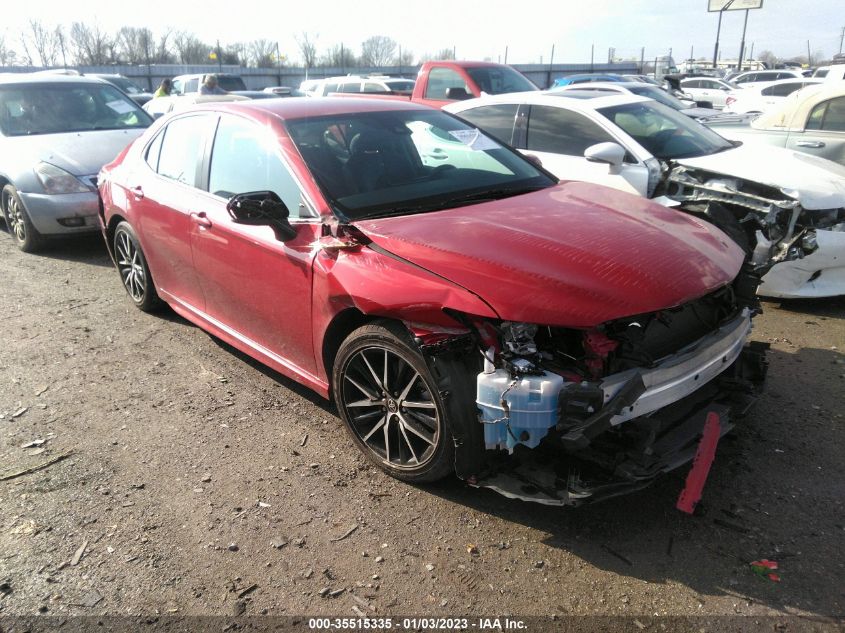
642, 90
785, 208
763, 98
707, 89
164, 105
362, 84
757, 77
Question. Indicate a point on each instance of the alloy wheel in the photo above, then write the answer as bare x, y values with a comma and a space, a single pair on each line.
14, 215
390, 408
130, 266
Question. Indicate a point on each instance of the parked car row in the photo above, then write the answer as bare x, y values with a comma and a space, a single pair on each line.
457, 281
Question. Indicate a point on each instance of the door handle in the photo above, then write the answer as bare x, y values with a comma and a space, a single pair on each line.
201, 219
138, 192
816, 144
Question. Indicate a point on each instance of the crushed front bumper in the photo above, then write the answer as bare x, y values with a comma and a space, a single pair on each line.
819, 274
651, 423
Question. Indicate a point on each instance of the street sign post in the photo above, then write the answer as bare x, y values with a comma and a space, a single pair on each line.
732, 5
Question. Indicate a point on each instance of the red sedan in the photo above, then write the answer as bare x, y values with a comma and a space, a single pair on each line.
466, 312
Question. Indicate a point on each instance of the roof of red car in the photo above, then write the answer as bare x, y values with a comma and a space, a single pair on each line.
303, 107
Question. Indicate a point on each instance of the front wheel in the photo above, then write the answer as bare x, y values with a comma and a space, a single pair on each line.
26, 237
391, 405
133, 269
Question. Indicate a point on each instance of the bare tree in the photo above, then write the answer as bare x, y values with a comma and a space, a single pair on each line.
8, 57
135, 45
163, 52
339, 56
378, 50
234, 54
90, 45
768, 58
189, 49
308, 49
405, 57
262, 53
43, 41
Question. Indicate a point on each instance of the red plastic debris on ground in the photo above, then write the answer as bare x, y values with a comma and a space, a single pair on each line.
691, 494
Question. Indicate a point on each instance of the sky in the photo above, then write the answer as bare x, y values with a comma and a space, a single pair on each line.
525, 30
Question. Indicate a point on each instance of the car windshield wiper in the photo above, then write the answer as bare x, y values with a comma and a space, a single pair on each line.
451, 203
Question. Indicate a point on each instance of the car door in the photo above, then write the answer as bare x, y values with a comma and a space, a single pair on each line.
559, 136
714, 92
162, 201
256, 287
824, 132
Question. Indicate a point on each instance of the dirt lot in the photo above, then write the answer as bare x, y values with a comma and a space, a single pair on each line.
200, 483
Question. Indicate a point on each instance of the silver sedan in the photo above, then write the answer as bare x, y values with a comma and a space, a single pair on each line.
56, 132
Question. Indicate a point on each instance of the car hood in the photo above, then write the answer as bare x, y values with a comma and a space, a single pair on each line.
573, 255
700, 113
80, 153
815, 182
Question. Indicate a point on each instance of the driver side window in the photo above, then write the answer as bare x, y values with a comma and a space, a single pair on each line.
244, 158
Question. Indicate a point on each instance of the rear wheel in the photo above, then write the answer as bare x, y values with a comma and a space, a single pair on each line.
133, 269
27, 238
391, 405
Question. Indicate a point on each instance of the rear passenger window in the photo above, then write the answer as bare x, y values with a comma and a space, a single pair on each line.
192, 85
153, 152
351, 86
495, 120
440, 80
182, 148
562, 131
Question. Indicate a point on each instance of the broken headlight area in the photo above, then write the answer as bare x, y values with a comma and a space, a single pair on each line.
769, 224
568, 415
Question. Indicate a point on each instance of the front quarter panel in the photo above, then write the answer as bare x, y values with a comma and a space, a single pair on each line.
380, 285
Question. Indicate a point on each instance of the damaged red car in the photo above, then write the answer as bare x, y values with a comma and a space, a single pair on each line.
467, 313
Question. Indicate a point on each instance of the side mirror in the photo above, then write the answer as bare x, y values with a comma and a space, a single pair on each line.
262, 208
612, 154
704, 104
457, 94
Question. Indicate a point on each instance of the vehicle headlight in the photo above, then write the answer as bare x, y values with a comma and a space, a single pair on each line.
57, 180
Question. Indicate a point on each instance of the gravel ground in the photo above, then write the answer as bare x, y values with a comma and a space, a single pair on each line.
198, 482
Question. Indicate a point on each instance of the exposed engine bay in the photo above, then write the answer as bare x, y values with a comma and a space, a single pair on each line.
769, 223
566, 416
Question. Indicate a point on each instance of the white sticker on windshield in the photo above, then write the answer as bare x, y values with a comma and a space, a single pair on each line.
474, 140
121, 107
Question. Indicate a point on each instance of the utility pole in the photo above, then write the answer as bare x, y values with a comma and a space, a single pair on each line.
279, 64
841, 39
642, 60
506, 54
219, 57
751, 55
809, 57
718, 31
592, 55
551, 63
742, 43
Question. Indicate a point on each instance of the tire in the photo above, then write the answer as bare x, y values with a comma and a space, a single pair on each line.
403, 429
133, 269
26, 237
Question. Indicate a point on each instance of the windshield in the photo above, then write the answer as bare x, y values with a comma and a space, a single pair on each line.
67, 107
124, 84
230, 83
661, 96
497, 80
664, 132
395, 163
400, 85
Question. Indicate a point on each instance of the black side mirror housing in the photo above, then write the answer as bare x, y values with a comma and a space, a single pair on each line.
262, 208
704, 104
457, 94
